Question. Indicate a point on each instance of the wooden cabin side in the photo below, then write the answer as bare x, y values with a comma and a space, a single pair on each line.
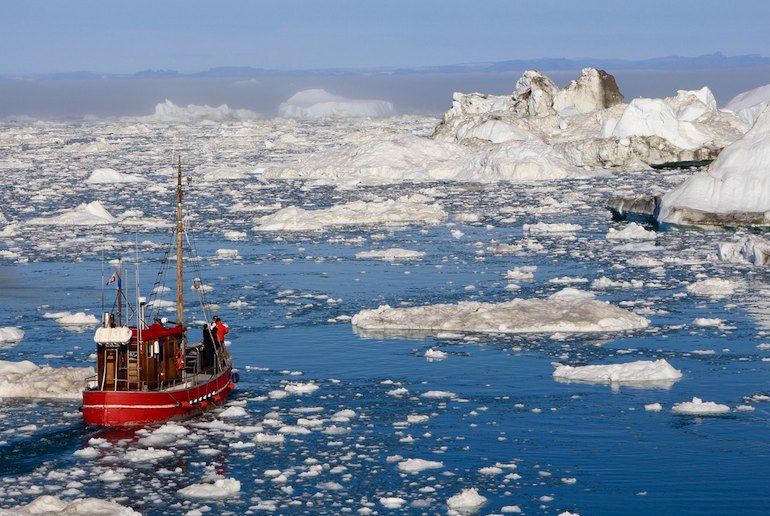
140, 365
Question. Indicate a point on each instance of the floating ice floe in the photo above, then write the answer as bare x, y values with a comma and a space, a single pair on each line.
435, 354
27, 380
641, 373
418, 465
569, 311
111, 176
84, 214
467, 501
715, 287
699, 407
77, 319
751, 249
221, 488
83, 507
390, 255
11, 334
734, 191
399, 212
318, 103
632, 231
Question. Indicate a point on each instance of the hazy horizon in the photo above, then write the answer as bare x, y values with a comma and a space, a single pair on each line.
429, 94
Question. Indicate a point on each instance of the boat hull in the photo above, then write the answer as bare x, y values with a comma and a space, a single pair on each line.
131, 408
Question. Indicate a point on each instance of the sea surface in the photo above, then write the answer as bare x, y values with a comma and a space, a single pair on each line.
499, 423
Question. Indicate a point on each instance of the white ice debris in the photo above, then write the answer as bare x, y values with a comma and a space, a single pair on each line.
705, 322
301, 388
77, 319
435, 354
392, 502
390, 255
111, 176
89, 214
11, 334
318, 103
27, 380
632, 231
390, 212
640, 372
418, 465
734, 191
569, 311
466, 502
751, 249
221, 488
47, 504
232, 412
542, 228
716, 287
653, 407
700, 408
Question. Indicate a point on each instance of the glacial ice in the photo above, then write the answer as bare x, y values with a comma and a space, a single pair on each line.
698, 407
734, 191
11, 334
318, 103
566, 311
112, 176
637, 373
27, 380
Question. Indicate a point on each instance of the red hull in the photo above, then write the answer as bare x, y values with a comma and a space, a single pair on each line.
129, 408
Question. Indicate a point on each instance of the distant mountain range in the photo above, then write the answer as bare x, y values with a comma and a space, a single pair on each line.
704, 62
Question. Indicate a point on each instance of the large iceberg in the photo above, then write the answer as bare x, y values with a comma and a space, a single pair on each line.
590, 126
566, 311
734, 191
317, 103
651, 373
750, 104
169, 112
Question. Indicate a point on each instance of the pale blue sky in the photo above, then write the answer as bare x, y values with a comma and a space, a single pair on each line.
38, 36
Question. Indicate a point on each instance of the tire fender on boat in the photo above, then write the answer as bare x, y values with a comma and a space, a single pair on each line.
235, 377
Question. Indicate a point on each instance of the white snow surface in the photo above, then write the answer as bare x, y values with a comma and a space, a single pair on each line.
111, 176
402, 211
85, 214
318, 103
27, 380
568, 311
737, 181
638, 372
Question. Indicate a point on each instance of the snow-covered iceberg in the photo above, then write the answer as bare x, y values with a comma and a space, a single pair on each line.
640, 373
734, 191
588, 124
751, 249
169, 112
318, 103
566, 311
750, 104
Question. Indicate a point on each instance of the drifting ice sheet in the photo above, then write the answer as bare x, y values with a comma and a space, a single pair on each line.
567, 311
641, 372
27, 380
317, 103
402, 211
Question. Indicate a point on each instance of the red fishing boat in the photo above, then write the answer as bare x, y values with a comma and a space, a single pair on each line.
148, 372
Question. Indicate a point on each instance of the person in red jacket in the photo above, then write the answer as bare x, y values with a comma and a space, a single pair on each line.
222, 330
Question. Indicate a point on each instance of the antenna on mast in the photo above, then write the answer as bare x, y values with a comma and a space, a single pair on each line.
179, 257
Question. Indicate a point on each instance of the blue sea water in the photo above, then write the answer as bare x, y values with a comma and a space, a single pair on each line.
505, 427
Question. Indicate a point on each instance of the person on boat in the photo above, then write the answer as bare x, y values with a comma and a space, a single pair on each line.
222, 330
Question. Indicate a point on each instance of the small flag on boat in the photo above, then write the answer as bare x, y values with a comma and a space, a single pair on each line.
112, 278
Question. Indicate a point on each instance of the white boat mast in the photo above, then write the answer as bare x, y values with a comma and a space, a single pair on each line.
179, 258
